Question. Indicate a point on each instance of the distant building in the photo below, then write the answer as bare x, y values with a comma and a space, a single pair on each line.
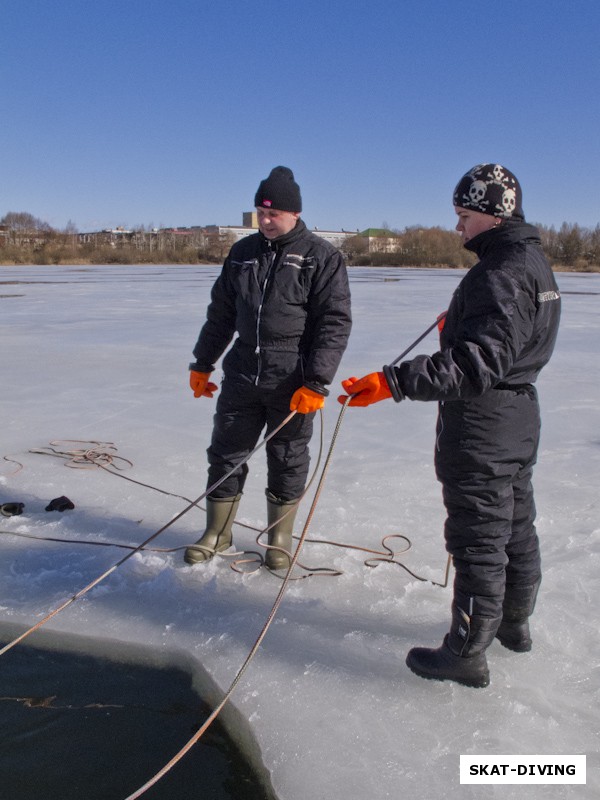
337, 238
111, 236
380, 240
250, 219
250, 225
233, 233
217, 239
155, 239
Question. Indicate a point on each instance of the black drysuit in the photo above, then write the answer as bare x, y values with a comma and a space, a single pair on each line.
288, 299
499, 332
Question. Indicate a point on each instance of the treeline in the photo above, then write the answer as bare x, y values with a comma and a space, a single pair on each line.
56, 252
570, 248
25, 239
413, 247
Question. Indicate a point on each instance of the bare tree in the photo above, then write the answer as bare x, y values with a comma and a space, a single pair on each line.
21, 221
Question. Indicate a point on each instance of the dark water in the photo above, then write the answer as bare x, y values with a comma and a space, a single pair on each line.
75, 727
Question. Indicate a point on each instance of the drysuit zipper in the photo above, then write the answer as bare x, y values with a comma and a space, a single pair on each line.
272, 255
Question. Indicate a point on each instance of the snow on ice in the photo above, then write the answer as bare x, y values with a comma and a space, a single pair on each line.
100, 354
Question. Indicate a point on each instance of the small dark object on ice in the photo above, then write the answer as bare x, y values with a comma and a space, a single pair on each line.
60, 504
11, 509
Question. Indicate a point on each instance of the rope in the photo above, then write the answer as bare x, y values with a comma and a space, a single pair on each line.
98, 456
13, 461
49, 703
385, 556
86, 458
103, 455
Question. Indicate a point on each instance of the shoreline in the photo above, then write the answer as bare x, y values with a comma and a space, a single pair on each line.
592, 269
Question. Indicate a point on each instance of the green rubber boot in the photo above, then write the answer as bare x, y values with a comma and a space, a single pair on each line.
280, 535
220, 514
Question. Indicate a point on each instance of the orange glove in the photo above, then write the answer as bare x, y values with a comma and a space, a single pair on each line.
200, 384
441, 320
366, 391
305, 400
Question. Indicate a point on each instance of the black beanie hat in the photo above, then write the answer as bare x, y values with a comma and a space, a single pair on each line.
490, 189
279, 191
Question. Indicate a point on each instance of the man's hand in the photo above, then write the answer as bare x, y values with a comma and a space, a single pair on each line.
366, 391
305, 400
200, 384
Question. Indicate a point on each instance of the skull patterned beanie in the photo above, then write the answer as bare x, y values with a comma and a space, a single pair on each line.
279, 191
490, 189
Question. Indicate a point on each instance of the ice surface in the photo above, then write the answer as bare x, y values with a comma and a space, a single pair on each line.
101, 353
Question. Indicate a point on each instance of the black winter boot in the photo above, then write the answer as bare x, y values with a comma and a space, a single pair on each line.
220, 515
461, 657
282, 516
519, 602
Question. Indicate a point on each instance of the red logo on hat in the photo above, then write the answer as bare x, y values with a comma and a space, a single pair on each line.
267, 203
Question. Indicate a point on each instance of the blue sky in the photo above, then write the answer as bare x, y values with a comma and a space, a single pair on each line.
170, 112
